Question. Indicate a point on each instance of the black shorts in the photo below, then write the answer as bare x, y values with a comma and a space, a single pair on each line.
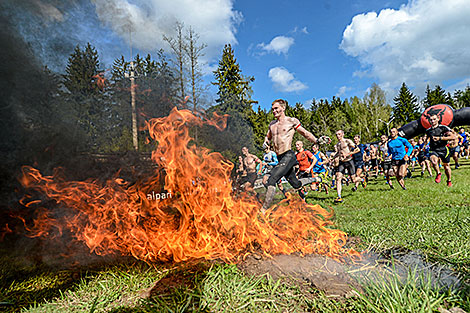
249, 178
374, 163
285, 167
386, 165
442, 153
359, 164
349, 165
398, 162
304, 174
422, 157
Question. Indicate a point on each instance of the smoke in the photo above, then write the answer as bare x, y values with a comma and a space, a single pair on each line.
143, 23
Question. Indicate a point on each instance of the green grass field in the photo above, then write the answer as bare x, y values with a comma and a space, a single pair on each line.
427, 217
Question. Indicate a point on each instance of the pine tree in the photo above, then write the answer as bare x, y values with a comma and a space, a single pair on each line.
234, 88
406, 106
436, 96
82, 69
462, 98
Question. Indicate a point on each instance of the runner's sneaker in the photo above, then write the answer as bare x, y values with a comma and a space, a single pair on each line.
449, 183
339, 200
438, 178
457, 166
354, 188
391, 186
364, 183
302, 194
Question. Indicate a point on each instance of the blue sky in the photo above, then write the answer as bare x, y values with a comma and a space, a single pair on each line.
297, 50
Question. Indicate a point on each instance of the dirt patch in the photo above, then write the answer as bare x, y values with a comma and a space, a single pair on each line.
319, 272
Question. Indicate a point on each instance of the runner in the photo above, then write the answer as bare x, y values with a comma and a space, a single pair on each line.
454, 148
386, 159
248, 164
438, 135
414, 154
280, 134
269, 161
464, 143
344, 150
423, 156
320, 167
358, 158
400, 156
306, 162
374, 162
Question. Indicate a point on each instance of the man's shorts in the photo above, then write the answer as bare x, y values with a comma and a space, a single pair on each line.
374, 163
454, 150
249, 178
398, 162
347, 165
359, 164
386, 165
443, 154
304, 174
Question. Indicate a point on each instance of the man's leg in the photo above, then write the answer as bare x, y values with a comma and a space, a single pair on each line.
435, 164
339, 178
401, 172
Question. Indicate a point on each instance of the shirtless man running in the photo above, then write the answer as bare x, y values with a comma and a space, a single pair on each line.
280, 134
344, 150
248, 164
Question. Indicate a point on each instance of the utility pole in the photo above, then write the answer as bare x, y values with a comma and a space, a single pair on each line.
131, 76
135, 139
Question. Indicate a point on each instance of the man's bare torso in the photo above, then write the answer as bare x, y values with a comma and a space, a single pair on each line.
249, 163
343, 151
282, 133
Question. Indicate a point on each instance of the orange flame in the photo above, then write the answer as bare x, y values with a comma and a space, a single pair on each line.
195, 217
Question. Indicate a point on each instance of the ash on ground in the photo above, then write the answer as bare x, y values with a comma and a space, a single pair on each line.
344, 279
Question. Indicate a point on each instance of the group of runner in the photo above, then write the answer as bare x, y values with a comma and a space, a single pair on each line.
351, 162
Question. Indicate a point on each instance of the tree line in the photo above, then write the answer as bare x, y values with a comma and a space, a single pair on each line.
89, 107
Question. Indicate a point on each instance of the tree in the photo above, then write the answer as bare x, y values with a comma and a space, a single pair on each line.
86, 95
232, 84
436, 96
378, 109
179, 47
154, 91
462, 98
406, 106
194, 52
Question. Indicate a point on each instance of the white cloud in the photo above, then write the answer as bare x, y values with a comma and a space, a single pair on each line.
284, 81
214, 20
424, 41
342, 91
278, 45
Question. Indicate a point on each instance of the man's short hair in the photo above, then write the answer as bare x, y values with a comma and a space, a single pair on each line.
282, 103
357, 135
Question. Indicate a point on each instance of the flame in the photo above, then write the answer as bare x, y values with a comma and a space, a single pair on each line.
195, 217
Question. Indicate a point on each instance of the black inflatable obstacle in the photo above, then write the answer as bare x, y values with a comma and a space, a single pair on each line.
447, 116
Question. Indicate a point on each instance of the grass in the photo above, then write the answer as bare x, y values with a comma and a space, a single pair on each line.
427, 217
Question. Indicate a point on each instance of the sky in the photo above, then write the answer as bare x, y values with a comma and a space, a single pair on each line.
296, 50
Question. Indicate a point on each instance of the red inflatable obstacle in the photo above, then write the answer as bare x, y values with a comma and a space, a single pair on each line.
443, 111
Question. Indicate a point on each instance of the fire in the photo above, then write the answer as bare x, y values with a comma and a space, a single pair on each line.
198, 217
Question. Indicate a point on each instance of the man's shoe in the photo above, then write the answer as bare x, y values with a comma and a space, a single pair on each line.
354, 188
449, 183
339, 200
302, 194
391, 186
364, 183
438, 178
457, 166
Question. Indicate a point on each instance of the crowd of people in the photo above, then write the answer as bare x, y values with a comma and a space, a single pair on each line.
351, 162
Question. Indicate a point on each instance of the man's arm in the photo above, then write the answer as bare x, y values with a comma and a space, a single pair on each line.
308, 135
410, 147
268, 137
